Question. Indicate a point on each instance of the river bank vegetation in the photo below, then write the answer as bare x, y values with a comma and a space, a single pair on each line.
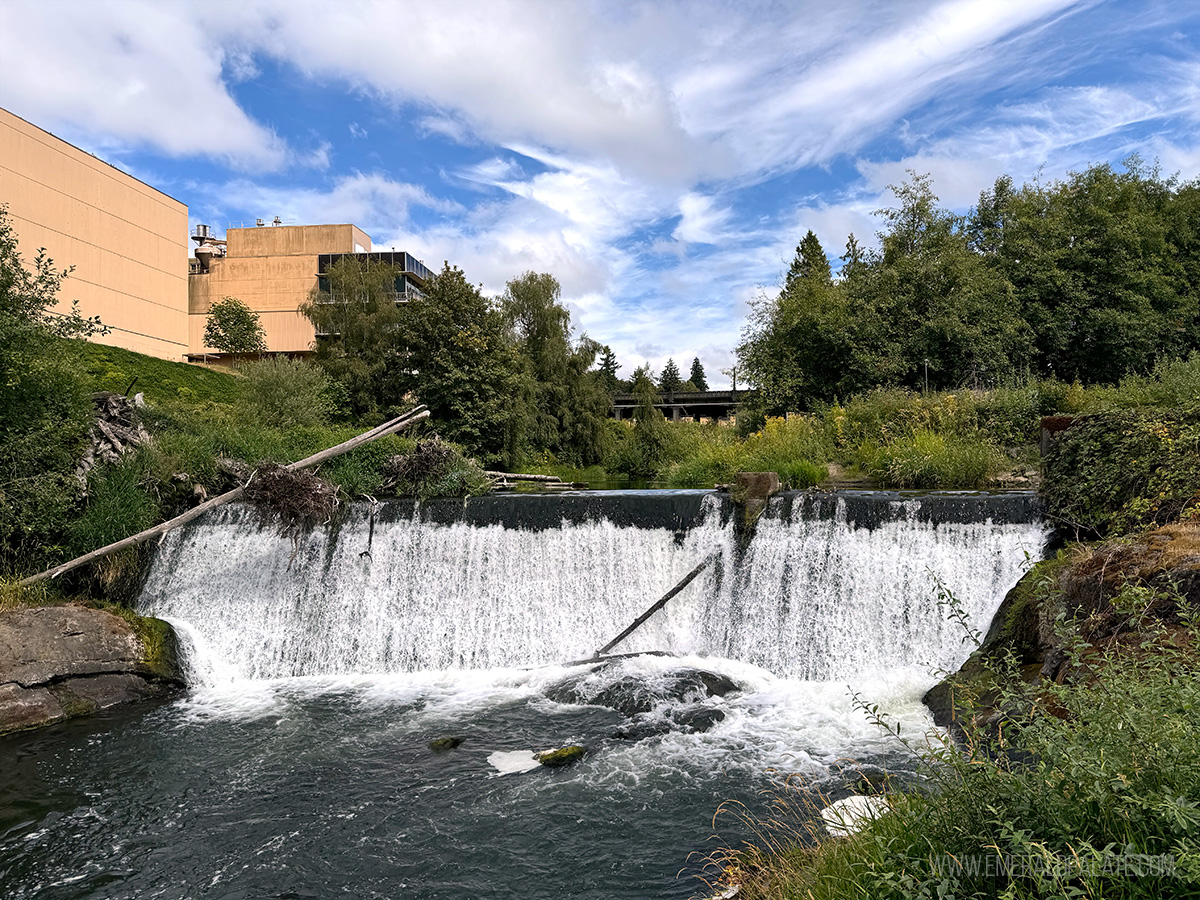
1071, 764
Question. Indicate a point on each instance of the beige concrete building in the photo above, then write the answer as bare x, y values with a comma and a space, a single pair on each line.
272, 269
126, 240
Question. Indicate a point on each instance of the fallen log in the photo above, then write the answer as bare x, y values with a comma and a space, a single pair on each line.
517, 476
687, 579
391, 427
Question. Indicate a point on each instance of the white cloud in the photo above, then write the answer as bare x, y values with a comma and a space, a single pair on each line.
134, 73
601, 123
700, 222
374, 202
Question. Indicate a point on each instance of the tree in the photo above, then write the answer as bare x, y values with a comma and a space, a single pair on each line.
670, 379
697, 375
44, 408
459, 357
813, 341
570, 402
609, 370
646, 449
810, 262
358, 342
1105, 266
232, 327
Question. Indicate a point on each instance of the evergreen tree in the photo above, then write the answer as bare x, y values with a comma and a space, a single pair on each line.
670, 379
854, 261
810, 262
609, 369
696, 377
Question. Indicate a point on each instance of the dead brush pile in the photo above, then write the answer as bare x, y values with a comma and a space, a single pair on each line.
434, 468
291, 499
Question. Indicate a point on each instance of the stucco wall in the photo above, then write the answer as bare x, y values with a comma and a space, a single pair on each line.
271, 270
126, 240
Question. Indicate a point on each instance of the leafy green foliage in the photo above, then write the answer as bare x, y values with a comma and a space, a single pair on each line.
460, 359
359, 337
1117, 471
1093, 278
567, 402
44, 407
927, 459
286, 393
646, 448
1103, 266
696, 376
232, 327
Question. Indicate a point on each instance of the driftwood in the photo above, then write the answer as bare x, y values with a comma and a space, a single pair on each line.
516, 476
395, 425
687, 579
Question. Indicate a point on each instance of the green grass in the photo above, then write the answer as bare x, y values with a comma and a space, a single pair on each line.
114, 369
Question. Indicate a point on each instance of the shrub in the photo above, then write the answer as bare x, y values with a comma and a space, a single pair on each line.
793, 447
286, 393
435, 468
1122, 470
928, 459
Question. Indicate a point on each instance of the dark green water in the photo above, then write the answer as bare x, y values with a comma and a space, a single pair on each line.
319, 788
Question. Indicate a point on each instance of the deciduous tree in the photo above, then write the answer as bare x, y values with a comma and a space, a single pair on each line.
232, 327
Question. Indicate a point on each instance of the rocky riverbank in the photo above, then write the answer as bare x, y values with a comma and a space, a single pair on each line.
1125, 596
59, 662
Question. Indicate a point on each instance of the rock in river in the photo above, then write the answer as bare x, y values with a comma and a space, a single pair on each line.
58, 662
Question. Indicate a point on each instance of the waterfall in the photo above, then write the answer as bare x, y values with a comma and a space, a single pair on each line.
829, 587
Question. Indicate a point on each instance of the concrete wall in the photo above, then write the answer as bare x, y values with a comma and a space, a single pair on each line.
126, 240
272, 270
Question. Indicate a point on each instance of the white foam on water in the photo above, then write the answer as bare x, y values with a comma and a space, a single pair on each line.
512, 762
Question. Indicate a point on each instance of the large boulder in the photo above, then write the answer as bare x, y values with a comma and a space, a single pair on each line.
58, 662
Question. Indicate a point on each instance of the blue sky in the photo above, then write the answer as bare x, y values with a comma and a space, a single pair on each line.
661, 159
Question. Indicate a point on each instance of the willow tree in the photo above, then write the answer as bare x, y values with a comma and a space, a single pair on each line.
570, 403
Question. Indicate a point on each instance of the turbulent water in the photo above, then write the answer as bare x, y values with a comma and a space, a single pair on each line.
300, 765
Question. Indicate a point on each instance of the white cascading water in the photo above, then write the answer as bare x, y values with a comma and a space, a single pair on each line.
810, 598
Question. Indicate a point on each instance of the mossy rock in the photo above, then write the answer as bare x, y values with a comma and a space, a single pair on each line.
160, 645
445, 744
563, 756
